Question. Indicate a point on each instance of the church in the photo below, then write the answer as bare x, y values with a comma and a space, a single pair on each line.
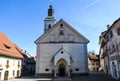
61, 50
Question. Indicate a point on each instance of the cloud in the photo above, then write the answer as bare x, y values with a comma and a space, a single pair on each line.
91, 4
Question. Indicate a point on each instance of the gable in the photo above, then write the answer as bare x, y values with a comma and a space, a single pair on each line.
62, 54
62, 32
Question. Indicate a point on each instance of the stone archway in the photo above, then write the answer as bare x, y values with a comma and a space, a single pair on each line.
62, 68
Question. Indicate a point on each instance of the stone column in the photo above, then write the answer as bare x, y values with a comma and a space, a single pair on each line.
68, 70
55, 71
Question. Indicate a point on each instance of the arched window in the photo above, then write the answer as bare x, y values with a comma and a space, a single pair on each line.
49, 26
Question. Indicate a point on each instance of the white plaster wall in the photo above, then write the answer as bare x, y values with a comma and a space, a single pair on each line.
67, 32
106, 61
111, 68
13, 65
47, 51
113, 41
37, 59
46, 23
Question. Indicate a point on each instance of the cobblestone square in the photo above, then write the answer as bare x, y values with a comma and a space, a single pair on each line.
90, 77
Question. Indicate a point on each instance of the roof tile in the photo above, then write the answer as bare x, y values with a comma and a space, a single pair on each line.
8, 48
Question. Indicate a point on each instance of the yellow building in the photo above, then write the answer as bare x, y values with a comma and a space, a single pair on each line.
93, 62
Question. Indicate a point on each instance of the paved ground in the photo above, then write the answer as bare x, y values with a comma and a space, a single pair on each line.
90, 77
94, 77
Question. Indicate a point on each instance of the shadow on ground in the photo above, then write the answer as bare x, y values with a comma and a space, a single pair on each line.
98, 76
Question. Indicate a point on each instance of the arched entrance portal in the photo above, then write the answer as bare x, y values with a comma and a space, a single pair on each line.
62, 68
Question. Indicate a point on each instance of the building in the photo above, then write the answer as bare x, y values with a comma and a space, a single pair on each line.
93, 62
61, 50
28, 64
111, 49
104, 64
10, 59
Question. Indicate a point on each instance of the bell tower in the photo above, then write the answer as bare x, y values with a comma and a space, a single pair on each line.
49, 20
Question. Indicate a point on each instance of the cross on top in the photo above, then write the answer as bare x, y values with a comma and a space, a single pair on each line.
50, 2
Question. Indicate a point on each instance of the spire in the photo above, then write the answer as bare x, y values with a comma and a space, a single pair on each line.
49, 20
51, 11
50, 2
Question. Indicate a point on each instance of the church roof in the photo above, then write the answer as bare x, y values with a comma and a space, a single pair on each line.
54, 26
7, 48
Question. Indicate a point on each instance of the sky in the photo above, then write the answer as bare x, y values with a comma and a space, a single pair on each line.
23, 20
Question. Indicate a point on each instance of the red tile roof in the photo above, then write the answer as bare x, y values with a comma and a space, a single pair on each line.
93, 57
35, 57
8, 48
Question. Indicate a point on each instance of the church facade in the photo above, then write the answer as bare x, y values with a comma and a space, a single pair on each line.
61, 50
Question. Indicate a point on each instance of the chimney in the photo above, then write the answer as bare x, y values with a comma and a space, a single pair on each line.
25, 51
108, 26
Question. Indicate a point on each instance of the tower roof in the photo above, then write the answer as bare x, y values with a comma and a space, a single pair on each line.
50, 13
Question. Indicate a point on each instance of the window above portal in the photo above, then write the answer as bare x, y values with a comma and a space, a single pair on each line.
62, 52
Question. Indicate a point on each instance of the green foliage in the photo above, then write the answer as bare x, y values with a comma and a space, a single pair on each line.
18, 65
7, 66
